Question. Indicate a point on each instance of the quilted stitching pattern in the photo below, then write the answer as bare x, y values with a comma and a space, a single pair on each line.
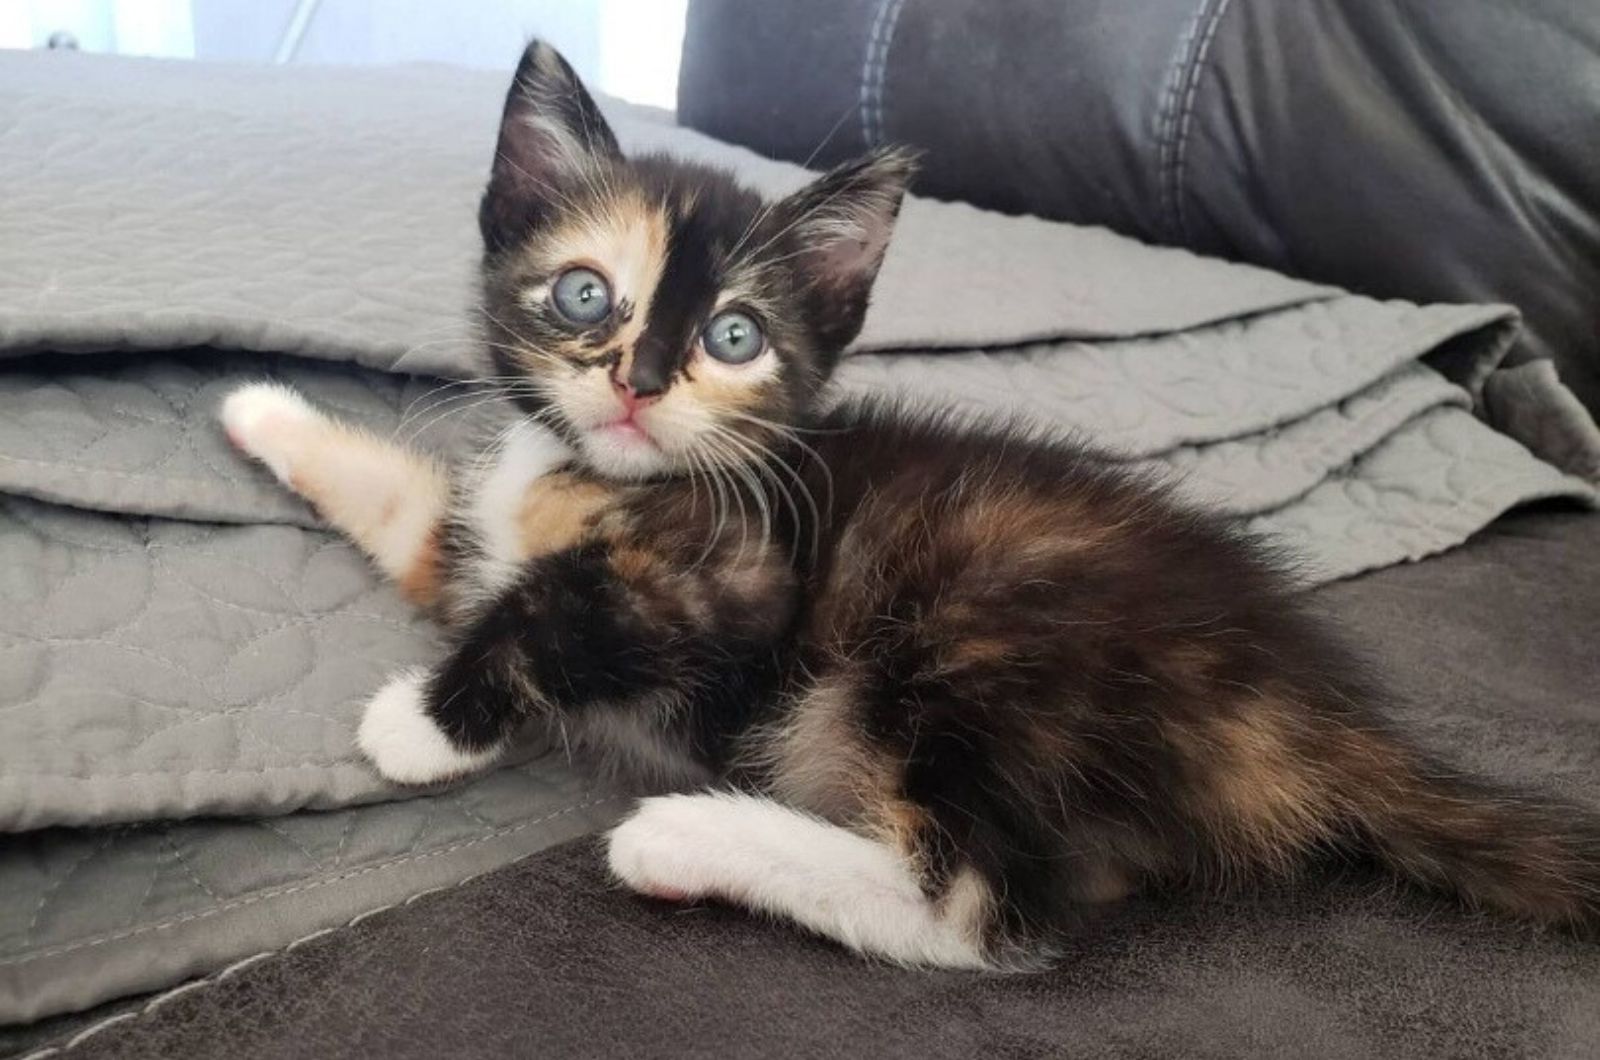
140, 436
161, 668
168, 668
1425, 488
241, 245
164, 668
1243, 476
91, 914
1144, 395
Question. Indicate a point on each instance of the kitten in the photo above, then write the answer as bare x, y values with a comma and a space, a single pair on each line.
938, 689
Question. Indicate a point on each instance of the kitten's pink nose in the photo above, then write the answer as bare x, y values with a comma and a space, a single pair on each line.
631, 399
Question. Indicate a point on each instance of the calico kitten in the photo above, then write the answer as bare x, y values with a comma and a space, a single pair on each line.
937, 690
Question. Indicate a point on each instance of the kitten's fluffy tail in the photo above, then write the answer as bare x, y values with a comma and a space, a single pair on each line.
1524, 857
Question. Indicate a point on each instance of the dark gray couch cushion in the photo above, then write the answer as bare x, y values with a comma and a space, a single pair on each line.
1491, 648
1412, 149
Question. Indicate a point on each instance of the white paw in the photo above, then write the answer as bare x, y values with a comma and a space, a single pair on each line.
265, 420
668, 848
403, 742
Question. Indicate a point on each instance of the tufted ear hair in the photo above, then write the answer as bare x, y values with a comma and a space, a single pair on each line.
840, 225
551, 134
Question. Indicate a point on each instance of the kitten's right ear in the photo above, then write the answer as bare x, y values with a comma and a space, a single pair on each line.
551, 134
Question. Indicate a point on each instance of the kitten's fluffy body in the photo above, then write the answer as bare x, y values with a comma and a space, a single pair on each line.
957, 684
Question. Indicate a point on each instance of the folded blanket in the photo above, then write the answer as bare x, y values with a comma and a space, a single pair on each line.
179, 638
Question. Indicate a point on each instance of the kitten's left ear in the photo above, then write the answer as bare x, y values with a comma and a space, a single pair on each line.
841, 224
551, 133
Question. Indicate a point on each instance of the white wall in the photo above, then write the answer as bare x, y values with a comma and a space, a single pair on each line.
625, 47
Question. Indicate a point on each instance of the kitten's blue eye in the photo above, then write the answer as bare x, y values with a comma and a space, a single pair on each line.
581, 295
733, 337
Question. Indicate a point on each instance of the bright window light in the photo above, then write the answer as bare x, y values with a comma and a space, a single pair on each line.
640, 44
625, 48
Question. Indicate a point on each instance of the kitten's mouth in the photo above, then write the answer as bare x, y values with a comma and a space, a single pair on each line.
623, 448
627, 431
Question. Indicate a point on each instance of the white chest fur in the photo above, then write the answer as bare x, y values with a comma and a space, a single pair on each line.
493, 499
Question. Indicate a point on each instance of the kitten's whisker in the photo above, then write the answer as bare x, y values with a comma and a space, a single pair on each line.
446, 333
721, 503
758, 493
566, 744
496, 445
466, 342
755, 222
763, 458
738, 495
694, 484
758, 456
693, 455
727, 495
807, 450
460, 410
795, 222
524, 347
804, 489
509, 330
406, 413
785, 428
487, 381
442, 403
849, 109
771, 204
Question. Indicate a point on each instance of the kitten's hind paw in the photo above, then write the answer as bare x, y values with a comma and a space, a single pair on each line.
405, 744
268, 421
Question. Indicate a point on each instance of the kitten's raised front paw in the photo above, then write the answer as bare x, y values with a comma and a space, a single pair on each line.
664, 849
267, 421
403, 742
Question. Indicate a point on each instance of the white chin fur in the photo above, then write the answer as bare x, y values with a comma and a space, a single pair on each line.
404, 743
619, 459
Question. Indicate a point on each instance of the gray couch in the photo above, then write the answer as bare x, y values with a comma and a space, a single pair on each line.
1400, 148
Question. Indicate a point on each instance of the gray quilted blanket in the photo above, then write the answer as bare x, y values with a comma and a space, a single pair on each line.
183, 649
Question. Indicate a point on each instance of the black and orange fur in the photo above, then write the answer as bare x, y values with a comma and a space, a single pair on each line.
1000, 654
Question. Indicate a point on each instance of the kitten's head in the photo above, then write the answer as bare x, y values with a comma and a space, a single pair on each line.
655, 312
